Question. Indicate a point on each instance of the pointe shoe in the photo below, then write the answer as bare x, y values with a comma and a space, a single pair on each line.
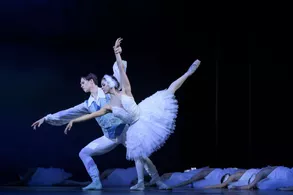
95, 185
193, 67
138, 187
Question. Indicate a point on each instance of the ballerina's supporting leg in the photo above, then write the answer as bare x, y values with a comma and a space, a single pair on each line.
139, 164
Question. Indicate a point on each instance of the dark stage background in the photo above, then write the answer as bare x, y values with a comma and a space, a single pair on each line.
235, 111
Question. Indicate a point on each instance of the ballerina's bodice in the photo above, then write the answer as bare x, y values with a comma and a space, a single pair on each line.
129, 112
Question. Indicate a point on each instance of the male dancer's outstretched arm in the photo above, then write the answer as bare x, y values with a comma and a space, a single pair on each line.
90, 85
62, 117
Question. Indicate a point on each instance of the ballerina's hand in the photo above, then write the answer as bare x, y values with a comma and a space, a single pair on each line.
117, 43
68, 127
118, 50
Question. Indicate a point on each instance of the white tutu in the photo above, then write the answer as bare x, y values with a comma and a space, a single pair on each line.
281, 172
156, 122
245, 179
213, 178
278, 178
178, 177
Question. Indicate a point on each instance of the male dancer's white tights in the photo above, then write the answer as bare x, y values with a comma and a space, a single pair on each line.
103, 145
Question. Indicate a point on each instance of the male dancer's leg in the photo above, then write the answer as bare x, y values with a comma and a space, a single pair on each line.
99, 146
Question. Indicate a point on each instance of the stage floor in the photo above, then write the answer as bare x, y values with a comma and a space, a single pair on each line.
126, 191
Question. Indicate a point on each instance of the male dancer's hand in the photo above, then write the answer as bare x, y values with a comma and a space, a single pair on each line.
38, 123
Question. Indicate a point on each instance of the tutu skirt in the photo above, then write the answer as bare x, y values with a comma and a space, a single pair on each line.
158, 114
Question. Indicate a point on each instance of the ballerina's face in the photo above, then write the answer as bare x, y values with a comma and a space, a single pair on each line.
105, 86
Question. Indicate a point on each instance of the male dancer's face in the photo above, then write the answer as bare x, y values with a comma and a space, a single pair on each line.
86, 85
